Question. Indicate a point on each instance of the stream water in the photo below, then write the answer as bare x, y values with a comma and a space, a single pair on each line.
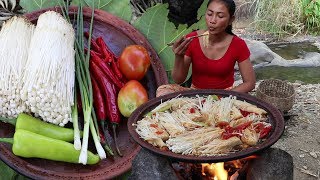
310, 75
289, 52
293, 50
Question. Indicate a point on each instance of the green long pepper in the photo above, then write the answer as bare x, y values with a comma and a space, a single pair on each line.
31, 145
32, 124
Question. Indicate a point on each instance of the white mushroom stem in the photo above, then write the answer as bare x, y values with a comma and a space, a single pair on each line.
15, 37
50, 69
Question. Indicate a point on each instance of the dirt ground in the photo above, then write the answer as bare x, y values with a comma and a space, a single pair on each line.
301, 138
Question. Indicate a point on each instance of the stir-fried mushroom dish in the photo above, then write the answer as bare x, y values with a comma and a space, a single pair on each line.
204, 125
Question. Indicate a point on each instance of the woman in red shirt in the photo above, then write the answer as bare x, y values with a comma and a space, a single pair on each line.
213, 58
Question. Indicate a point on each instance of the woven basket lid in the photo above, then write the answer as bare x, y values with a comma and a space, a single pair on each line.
277, 92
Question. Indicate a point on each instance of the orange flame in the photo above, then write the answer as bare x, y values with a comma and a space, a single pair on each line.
217, 171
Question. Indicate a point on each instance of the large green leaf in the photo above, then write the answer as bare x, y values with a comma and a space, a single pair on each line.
120, 8
159, 31
7, 173
32, 5
98, 4
201, 24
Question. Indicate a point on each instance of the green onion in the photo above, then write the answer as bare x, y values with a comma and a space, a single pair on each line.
85, 87
77, 142
83, 77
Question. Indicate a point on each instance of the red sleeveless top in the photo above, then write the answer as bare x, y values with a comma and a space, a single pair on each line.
219, 73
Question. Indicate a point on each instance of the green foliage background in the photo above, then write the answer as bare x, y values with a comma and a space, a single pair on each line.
311, 12
287, 18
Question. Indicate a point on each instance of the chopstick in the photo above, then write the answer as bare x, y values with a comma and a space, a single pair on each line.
204, 34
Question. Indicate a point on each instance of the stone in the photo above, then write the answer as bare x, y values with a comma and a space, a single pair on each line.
262, 55
260, 52
272, 163
149, 166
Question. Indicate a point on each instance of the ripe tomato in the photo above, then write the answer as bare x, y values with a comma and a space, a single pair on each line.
134, 62
131, 96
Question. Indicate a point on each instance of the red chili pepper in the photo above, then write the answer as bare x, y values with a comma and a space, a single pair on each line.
110, 94
96, 53
98, 101
96, 61
226, 135
222, 124
192, 110
154, 125
111, 58
246, 113
203, 101
100, 107
104, 48
265, 131
242, 126
159, 132
102, 139
105, 51
94, 45
229, 129
236, 131
228, 132
79, 102
115, 68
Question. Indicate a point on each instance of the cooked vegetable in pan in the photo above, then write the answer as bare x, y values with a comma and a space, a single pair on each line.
204, 125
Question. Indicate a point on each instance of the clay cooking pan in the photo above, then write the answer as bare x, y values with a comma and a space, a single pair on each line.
275, 118
117, 34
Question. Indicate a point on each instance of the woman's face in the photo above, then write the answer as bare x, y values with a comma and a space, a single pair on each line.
217, 17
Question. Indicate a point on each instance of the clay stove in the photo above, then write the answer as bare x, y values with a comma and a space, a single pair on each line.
270, 164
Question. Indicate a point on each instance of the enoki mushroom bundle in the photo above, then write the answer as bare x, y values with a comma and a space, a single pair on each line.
49, 75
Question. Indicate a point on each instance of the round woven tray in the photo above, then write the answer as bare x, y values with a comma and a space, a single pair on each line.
276, 92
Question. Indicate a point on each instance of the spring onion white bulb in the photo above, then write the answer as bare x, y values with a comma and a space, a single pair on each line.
50, 70
15, 37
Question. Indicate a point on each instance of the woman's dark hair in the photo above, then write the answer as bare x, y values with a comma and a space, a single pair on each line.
231, 7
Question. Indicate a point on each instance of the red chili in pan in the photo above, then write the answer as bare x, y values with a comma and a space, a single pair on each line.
234, 131
262, 129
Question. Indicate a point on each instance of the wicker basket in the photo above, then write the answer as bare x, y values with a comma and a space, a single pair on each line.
277, 92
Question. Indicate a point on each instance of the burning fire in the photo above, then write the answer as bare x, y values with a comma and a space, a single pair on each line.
217, 171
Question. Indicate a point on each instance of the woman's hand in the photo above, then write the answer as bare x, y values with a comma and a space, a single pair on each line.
182, 62
180, 46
